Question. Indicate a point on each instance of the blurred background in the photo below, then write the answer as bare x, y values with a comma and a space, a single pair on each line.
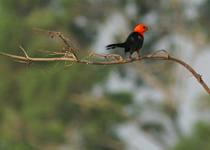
147, 105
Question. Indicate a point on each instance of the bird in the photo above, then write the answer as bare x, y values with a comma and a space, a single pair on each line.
134, 41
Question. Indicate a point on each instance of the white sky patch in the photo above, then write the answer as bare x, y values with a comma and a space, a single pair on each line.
194, 2
114, 25
131, 9
191, 13
191, 8
81, 21
117, 84
201, 66
142, 94
150, 18
98, 91
130, 133
163, 43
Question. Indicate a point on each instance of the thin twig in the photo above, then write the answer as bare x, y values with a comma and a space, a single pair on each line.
24, 52
58, 34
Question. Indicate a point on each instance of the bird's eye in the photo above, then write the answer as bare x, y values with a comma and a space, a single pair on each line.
144, 27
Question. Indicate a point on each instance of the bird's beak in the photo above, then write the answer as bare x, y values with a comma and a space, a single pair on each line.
148, 28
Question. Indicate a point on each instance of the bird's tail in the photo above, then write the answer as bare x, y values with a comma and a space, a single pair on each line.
113, 46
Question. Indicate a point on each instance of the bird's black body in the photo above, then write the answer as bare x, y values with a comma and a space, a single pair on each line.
133, 43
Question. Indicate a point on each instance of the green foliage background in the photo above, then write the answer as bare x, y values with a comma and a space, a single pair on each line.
45, 111
40, 111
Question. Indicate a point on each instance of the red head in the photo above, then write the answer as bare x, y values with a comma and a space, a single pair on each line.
141, 29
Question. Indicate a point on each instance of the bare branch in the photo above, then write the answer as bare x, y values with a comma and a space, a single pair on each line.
120, 60
110, 59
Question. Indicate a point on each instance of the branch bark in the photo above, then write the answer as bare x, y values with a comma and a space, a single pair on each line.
110, 60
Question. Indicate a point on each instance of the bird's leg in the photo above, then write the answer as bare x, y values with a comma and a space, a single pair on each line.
130, 56
139, 57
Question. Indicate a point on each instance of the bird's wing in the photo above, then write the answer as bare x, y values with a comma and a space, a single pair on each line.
137, 42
